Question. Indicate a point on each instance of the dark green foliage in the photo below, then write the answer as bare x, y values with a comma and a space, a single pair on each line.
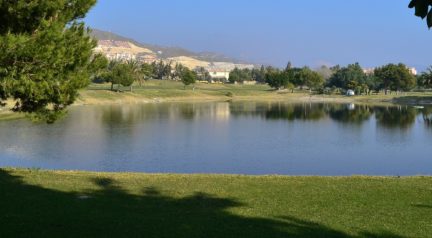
425, 79
309, 78
289, 66
99, 66
373, 83
46, 54
395, 77
147, 70
259, 74
24, 16
240, 75
277, 79
294, 77
349, 77
188, 77
161, 70
123, 73
422, 9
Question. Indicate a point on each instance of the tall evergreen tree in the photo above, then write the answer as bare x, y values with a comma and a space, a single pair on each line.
45, 54
289, 66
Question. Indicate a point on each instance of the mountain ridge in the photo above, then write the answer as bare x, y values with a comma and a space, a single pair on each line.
166, 51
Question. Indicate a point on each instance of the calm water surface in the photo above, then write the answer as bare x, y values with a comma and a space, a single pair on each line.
240, 138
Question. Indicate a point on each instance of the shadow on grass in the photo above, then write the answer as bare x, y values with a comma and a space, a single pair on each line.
32, 211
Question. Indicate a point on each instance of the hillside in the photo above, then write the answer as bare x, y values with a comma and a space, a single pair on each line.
166, 52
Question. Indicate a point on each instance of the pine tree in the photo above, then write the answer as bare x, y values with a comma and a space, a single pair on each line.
45, 54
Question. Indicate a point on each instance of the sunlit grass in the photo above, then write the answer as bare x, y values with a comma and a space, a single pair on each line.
175, 91
38, 203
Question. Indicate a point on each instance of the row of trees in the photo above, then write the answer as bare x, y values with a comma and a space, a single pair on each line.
289, 78
126, 73
293, 77
242, 75
170, 71
390, 77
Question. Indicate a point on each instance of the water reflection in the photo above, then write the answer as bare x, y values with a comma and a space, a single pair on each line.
387, 116
427, 116
227, 137
396, 117
303, 112
402, 117
280, 111
350, 113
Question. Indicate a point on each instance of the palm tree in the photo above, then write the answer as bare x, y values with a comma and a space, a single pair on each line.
136, 70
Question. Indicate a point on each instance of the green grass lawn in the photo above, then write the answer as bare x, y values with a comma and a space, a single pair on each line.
172, 90
37, 203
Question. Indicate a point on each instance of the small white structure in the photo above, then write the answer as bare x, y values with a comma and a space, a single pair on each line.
350, 93
413, 71
219, 74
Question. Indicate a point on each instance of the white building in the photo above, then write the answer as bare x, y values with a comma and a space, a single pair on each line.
369, 71
219, 74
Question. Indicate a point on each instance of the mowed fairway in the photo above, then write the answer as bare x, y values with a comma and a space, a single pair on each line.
172, 91
37, 203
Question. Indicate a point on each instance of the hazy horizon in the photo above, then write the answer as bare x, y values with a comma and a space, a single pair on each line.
274, 32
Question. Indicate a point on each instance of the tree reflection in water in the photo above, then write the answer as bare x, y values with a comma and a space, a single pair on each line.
396, 117
354, 114
427, 116
387, 116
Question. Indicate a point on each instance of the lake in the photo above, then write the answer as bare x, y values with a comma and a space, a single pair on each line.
230, 138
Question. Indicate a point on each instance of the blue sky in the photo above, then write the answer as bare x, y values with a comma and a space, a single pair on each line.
314, 32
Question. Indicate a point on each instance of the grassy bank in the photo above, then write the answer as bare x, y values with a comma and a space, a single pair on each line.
7, 116
157, 91
80, 204
170, 91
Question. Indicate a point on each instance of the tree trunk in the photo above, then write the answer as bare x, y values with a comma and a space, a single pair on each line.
112, 86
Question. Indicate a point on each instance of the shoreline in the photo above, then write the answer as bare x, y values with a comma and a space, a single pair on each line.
292, 98
133, 98
173, 92
233, 175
